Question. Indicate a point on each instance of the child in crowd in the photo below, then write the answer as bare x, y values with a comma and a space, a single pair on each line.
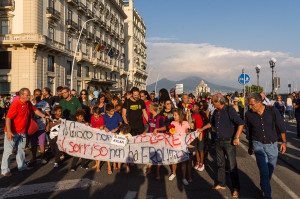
156, 125
181, 126
200, 119
79, 115
125, 131
97, 122
112, 121
54, 128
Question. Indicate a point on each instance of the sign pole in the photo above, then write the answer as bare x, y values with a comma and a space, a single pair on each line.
244, 90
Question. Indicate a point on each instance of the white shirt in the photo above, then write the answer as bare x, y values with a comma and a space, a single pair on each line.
266, 101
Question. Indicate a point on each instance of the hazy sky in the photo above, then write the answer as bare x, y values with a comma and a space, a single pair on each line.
215, 39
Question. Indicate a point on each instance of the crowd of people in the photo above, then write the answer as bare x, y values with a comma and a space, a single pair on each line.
137, 112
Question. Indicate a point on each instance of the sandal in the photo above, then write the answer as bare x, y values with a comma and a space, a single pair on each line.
7, 174
109, 172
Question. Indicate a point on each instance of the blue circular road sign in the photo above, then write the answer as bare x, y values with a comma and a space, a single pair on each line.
244, 79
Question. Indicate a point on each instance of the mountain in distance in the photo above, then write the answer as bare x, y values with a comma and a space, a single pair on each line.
189, 85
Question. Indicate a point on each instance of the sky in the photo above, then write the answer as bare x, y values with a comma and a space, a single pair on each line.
216, 39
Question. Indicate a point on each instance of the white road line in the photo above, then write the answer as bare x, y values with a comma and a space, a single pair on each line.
275, 178
32, 189
130, 195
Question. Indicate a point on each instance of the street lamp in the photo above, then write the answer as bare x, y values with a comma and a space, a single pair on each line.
258, 67
272, 63
76, 50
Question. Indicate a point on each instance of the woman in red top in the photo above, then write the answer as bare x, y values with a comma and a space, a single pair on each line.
146, 98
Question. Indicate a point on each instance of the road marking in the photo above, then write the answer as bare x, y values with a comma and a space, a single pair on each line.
130, 195
275, 178
32, 189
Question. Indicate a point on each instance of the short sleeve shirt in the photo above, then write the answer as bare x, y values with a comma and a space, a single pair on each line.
180, 128
69, 107
112, 123
135, 113
19, 113
97, 123
156, 122
55, 129
42, 106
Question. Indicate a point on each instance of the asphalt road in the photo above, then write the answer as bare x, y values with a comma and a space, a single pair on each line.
46, 182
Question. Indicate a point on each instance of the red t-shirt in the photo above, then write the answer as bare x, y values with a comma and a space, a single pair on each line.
199, 121
97, 123
19, 113
147, 110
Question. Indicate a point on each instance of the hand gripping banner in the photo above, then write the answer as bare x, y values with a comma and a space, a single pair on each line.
79, 140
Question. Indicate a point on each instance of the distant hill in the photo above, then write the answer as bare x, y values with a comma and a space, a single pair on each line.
189, 85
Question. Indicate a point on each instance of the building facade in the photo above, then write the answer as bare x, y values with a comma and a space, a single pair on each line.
202, 88
135, 51
38, 39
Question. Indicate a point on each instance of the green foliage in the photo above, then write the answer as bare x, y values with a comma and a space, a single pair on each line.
253, 89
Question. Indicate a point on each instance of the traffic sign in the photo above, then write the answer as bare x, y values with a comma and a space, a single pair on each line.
244, 78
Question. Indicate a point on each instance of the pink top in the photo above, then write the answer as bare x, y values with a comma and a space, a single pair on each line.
147, 110
97, 123
180, 128
16, 98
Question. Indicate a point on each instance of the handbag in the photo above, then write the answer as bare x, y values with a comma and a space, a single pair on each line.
32, 127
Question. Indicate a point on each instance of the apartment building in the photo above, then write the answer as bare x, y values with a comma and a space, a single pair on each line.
38, 39
135, 50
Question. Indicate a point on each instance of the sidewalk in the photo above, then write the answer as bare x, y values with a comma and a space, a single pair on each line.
292, 155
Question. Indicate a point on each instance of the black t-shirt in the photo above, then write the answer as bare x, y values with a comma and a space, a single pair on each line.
135, 113
169, 117
297, 102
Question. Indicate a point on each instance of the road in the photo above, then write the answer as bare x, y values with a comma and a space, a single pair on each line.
47, 182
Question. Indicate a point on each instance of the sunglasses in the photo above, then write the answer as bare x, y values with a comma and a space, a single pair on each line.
168, 104
83, 94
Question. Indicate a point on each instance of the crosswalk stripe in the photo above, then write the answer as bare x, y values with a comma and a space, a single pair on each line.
32, 189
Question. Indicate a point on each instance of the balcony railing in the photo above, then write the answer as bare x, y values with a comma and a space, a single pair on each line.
102, 24
90, 14
71, 24
74, 2
7, 5
122, 40
81, 7
90, 36
97, 39
52, 13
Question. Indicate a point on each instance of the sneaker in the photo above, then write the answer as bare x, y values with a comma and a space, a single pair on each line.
185, 182
43, 161
85, 167
172, 177
73, 169
55, 165
196, 165
201, 167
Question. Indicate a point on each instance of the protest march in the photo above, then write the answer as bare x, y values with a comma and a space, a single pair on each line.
137, 128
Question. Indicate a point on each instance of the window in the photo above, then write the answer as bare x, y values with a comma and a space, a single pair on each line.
4, 88
79, 47
110, 76
4, 27
50, 63
105, 75
87, 71
69, 15
69, 67
79, 70
78, 86
115, 77
69, 43
87, 50
5, 60
51, 33
79, 23
51, 3
95, 73
50, 83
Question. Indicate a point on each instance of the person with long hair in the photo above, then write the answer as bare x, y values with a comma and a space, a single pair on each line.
163, 95
116, 101
101, 103
167, 112
289, 107
86, 105
144, 95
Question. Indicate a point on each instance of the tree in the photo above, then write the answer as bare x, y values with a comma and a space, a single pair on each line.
253, 89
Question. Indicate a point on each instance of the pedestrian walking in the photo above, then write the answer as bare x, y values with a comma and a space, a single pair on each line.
296, 105
264, 126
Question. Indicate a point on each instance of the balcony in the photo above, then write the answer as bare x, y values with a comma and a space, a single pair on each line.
90, 36
101, 5
72, 2
7, 5
90, 14
117, 36
107, 28
95, 2
122, 40
71, 25
102, 24
97, 40
51, 13
81, 7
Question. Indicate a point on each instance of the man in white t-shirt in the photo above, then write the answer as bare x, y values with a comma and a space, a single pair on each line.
265, 101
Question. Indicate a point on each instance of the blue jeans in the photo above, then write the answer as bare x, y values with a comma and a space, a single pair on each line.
266, 158
18, 141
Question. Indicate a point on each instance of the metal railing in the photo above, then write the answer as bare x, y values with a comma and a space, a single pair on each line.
71, 23
4, 3
54, 12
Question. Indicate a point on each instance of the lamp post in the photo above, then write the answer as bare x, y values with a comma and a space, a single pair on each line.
77, 49
258, 67
272, 63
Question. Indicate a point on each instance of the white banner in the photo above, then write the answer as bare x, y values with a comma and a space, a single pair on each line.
79, 140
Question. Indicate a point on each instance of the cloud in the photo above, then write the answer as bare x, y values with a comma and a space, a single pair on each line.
160, 38
217, 64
